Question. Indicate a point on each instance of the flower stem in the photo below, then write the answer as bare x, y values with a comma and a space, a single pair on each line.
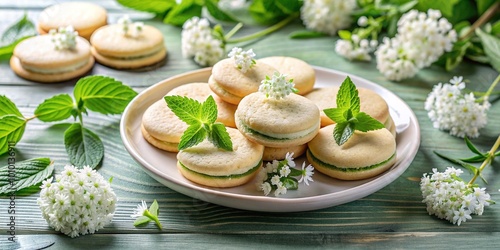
486, 96
485, 17
264, 32
233, 31
487, 161
152, 217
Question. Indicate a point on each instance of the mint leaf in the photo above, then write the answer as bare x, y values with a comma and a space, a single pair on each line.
182, 12
19, 31
217, 13
342, 132
336, 114
219, 136
193, 135
141, 221
209, 111
367, 123
188, 110
103, 94
154, 6
56, 108
24, 174
11, 131
347, 97
491, 47
83, 146
7, 107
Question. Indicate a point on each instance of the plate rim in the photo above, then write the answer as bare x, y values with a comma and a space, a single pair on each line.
180, 187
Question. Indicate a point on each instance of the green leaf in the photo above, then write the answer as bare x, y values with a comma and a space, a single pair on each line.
289, 6
24, 174
154, 208
367, 123
141, 221
290, 183
342, 132
453, 10
455, 57
154, 6
467, 166
11, 131
209, 111
403, 8
345, 34
336, 114
217, 13
19, 31
347, 97
491, 47
56, 108
182, 12
219, 136
475, 158
472, 147
483, 5
7, 107
188, 110
495, 28
83, 146
103, 94
305, 34
265, 11
193, 135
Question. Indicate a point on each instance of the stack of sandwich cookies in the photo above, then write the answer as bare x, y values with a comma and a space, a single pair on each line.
302, 73
163, 129
208, 165
84, 17
128, 45
60, 56
364, 155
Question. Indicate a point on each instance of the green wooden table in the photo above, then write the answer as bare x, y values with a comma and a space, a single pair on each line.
393, 217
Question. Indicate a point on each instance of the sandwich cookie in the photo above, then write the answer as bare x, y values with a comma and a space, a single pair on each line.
84, 17
128, 46
364, 155
231, 84
271, 154
163, 129
302, 73
208, 165
40, 59
289, 121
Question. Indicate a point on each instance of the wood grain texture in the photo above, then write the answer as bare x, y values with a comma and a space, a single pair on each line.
393, 217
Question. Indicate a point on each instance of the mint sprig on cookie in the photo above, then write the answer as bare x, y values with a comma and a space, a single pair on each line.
347, 114
201, 119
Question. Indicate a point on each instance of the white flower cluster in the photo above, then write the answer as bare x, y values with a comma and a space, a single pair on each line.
64, 37
458, 113
327, 16
78, 202
356, 49
448, 197
127, 25
244, 60
198, 42
277, 175
421, 39
277, 87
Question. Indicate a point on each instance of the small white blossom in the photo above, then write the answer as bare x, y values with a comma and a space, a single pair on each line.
289, 159
199, 43
78, 203
362, 21
64, 37
243, 60
266, 187
277, 87
127, 25
327, 16
458, 113
139, 211
285, 171
280, 189
307, 173
448, 197
359, 50
420, 40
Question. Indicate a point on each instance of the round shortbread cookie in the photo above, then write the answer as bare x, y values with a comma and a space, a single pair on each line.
231, 85
370, 102
114, 49
210, 166
37, 59
364, 155
271, 154
84, 17
302, 73
291, 121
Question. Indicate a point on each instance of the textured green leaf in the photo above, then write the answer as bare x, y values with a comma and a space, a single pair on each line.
154, 208
347, 97
209, 111
141, 221
103, 94
219, 136
19, 31
476, 158
265, 11
182, 12
56, 108
154, 6
336, 114
342, 132
491, 45
290, 183
217, 13
472, 147
83, 146
188, 110
7, 107
453, 10
367, 123
289, 6
193, 135
24, 174
483, 5
11, 131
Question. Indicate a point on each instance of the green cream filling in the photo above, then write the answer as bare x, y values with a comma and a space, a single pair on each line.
232, 176
267, 137
333, 167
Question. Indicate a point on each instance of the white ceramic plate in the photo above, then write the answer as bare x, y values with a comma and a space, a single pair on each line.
323, 192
